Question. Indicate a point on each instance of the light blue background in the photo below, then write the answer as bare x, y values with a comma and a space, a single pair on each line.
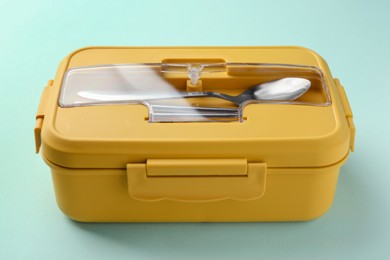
353, 36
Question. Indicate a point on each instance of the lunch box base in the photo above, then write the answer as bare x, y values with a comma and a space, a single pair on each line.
101, 195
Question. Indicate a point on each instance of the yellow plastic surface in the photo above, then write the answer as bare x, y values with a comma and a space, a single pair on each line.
110, 164
196, 167
196, 180
101, 195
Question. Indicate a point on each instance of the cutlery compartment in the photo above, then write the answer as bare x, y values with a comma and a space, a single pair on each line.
161, 87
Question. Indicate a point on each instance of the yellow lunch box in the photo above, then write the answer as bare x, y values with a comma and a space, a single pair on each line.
145, 134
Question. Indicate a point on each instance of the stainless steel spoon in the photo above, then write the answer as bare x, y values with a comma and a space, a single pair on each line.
281, 89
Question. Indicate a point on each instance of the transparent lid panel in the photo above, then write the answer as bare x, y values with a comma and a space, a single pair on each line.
194, 92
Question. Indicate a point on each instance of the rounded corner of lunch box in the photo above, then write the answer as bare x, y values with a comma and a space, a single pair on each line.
314, 215
71, 55
53, 143
335, 145
306, 49
319, 208
318, 57
71, 213
340, 139
86, 48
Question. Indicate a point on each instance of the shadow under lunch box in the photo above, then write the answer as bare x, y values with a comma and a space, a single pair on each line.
150, 134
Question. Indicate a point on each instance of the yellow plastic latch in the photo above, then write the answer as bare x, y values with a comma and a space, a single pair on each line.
41, 115
348, 113
196, 167
195, 180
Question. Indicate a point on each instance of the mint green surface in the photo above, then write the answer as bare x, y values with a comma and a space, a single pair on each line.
353, 36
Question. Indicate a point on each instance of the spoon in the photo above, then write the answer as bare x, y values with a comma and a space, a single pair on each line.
281, 89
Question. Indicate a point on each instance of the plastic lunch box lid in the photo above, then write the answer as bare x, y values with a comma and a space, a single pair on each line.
111, 136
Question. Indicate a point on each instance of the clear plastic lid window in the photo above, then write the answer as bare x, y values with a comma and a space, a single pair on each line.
194, 92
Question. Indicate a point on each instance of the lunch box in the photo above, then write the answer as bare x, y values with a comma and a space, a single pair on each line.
194, 134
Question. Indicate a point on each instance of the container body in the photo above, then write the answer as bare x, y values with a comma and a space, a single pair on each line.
102, 195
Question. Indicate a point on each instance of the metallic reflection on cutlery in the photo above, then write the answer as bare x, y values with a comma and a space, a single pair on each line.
281, 89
